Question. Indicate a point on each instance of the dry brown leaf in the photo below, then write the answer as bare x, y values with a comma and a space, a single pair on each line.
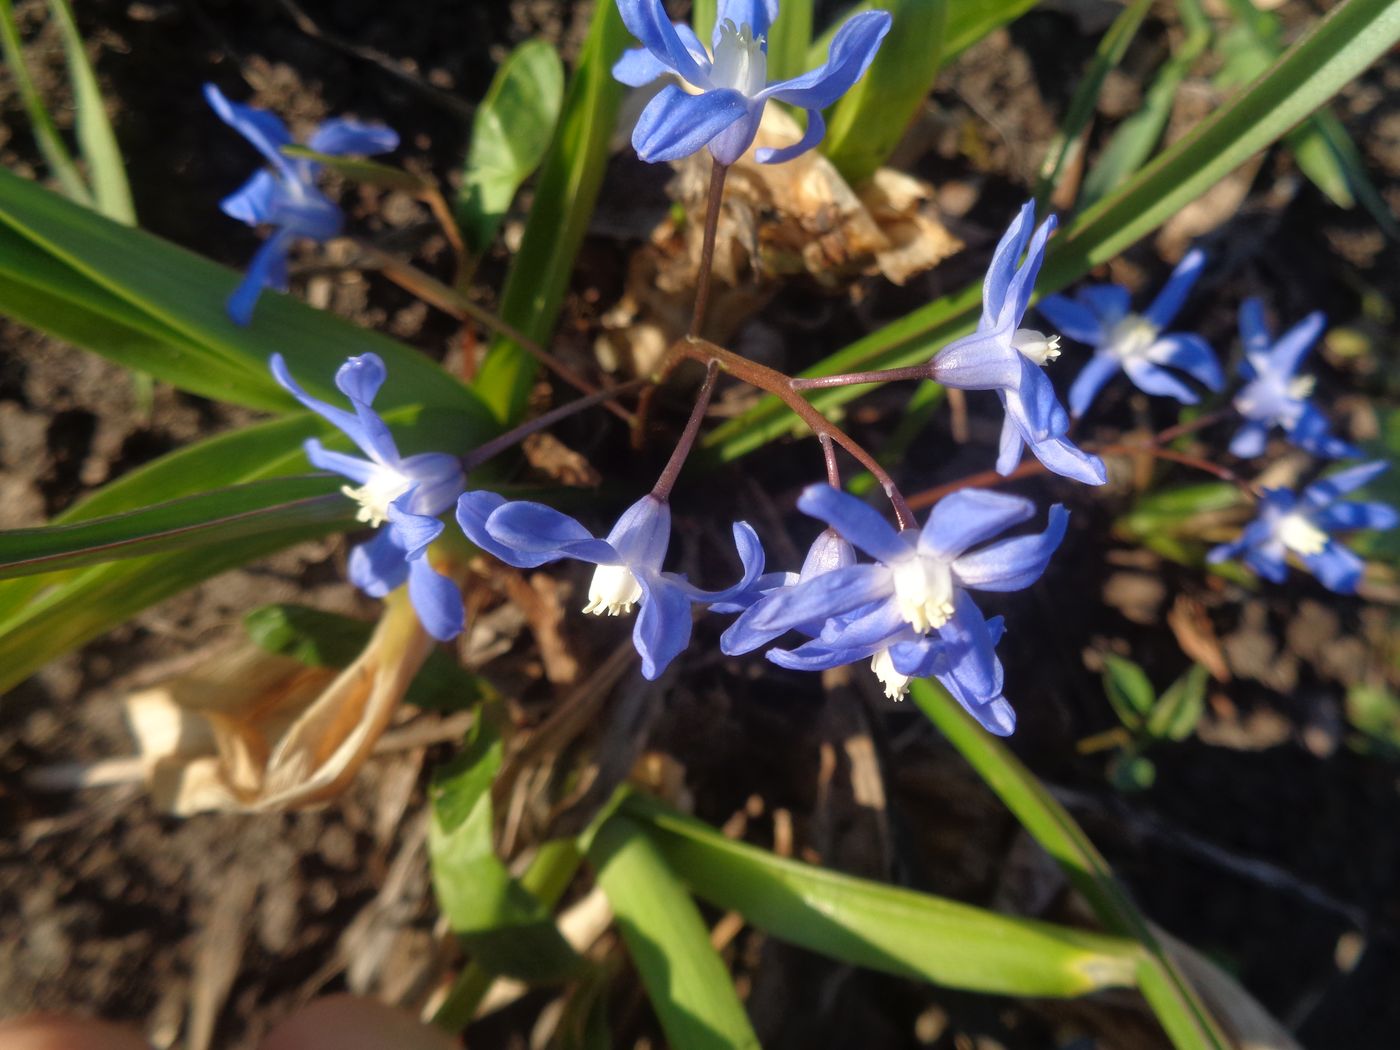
248, 730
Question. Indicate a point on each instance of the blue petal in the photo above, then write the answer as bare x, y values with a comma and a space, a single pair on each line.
756, 14
675, 124
1173, 294
411, 532
1268, 561
378, 566
1321, 493
856, 520
1010, 446
342, 420
730, 144
1254, 329
307, 213
1072, 319
817, 600
264, 130
436, 600
663, 624
648, 22
1341, 517
1250, 440
254, 201
359, 379
1003, 265
751, 557
642, 534
638, 67
1155, 380
533, 530
1090, 380
438, 481
814, 656
474, 510
868, 628
1032, 403
852, 50
339, 136
1312, 433
1337, 568
1111, 302
1013, 564
1225, 552
964, 519
1066, 459
1018, 292
353, 467
1287, 354
1191, 354
816, 130
267, 270
980, 361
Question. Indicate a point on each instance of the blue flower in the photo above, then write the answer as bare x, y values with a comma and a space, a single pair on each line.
285, 196
909, 613
732, 87
1275, 395
1287, 522
1004, 357
400, 495
629, 562
1101, 316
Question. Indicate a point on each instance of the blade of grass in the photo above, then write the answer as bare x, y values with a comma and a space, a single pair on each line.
882, 927
788, 40
703, 14
968, 23
686, 980
96, 139
1173, 999
46, 136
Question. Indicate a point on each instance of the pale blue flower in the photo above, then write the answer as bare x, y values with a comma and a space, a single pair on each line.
1003, 356
629, 562
402, 496
1302, 525
285, 196
1274, 394
731, 88
1101, 316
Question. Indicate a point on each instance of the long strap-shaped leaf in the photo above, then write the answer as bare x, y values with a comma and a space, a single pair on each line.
1175, 1002
885, 928
1340, 46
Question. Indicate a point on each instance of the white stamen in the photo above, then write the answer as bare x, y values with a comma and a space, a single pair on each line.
923, 590
1300, 388
374, 496
740, 61
1133, 336
896, 684
1299, 534
1037, 346
614, 590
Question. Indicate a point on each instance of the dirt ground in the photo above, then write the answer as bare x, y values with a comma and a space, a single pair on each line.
1267, 840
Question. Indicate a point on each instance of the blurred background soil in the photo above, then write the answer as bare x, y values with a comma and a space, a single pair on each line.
1266, 841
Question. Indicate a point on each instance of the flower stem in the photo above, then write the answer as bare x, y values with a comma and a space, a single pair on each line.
514, 436
662, 489
718, 172
1199, 423
883, 375
833, 471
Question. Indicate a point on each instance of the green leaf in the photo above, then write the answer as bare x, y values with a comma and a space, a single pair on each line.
510, 133
968, 23
504, 925
1172, 510
1347, 40
177, 291
218, 516
1374, 711
885, 928
96, 139
46, 136
1130, 772
788, 40
686, 980
1172, 997
1175, 715
323, 639
1107, 55
703, 14
867, 124
358, 169
1129, 690
564, 198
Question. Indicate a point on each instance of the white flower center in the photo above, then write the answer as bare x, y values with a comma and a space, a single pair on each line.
923, 590
1037, 346
1131, 337
614, 590
1299, 534
374, 496
896, 684
740, 62
1300, 388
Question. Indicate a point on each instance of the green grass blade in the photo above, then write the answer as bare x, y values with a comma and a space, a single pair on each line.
968, 22
703, 14
868, 123
46, 136
1067, 141
882, 927
1352, 36
511, 130
788, 40
1135, 139
1175, 1002
96, 139
567, 190
686, 980
219, 516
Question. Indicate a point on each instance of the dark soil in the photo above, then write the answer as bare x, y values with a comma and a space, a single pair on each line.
1266, 841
